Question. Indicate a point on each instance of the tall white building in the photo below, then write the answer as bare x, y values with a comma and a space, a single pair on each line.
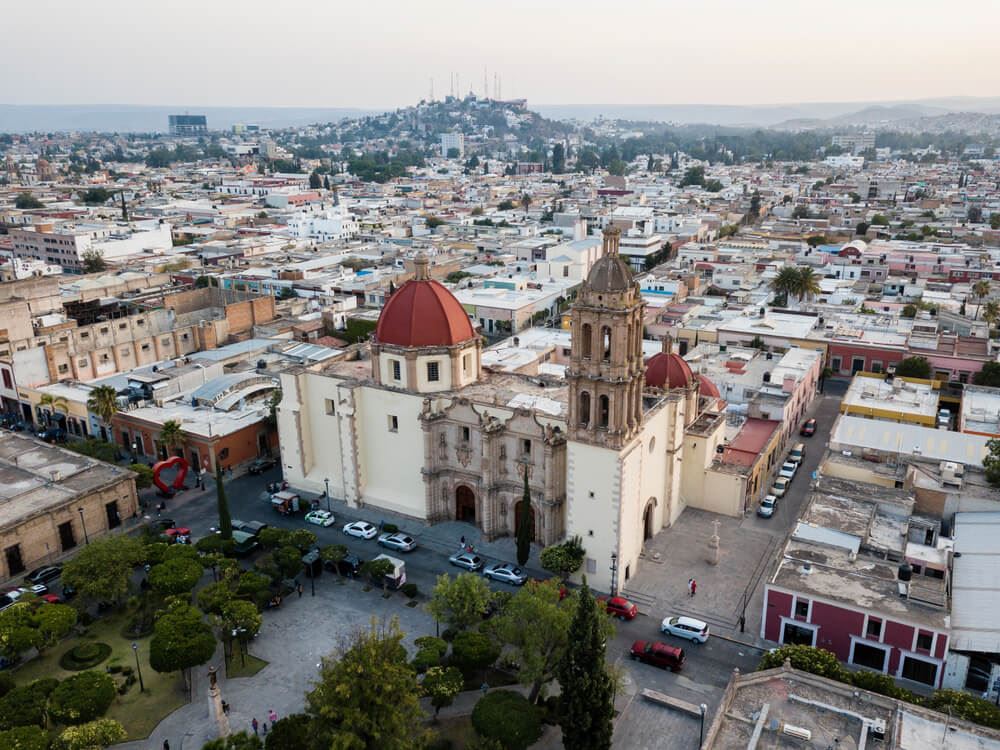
66, 244
327, 225
450, 141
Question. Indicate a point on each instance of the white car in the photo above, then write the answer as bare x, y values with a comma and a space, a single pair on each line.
685, 627
506, 572
780, 487
361, 529
320, 517
467, 560
767, 506
398, 542
788, 470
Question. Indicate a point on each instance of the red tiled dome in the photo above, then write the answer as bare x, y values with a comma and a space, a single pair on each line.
708, 388
422, 312
668, 370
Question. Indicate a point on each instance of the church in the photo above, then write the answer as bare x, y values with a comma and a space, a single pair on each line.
412, 422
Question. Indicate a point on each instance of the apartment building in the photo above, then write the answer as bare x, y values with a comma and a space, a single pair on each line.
66, 244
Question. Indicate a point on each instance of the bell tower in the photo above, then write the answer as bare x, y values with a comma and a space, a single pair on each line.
606, 366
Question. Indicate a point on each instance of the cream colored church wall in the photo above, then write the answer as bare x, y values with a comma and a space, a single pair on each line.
593, 489
390, 462
723, 493
699, 453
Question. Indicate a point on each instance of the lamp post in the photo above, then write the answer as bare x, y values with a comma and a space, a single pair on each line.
135, 447
703, 708
614, 574
138, 668
327, 483
84, 524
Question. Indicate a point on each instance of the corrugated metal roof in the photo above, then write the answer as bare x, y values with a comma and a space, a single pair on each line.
975, 586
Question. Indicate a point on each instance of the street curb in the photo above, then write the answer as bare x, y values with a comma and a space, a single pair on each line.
721, 637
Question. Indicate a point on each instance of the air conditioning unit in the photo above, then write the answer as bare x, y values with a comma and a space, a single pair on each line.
797, 732
951, 473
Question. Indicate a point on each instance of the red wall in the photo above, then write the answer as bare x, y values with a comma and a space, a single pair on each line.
898, 635
776, 605
836, 626
847, 353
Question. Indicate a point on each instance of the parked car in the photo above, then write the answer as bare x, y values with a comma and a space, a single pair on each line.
506, 573
262, 464
68, 592
797, 453
658, 654
767, 506
467, 560
361, 529
38, 589
780, 486
164, 523
253, 528
399, 542
685, 627
6, 601
618, 606
320, 517
53, 435
788, 470
349, 566
808, 428
49, 599
46, 574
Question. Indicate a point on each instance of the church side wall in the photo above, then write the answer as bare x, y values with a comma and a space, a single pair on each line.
593, 489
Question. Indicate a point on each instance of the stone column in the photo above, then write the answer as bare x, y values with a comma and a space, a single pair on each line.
215, 711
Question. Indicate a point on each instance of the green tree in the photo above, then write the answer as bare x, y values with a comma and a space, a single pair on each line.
505, 205
808, 283
315, 181
816, 661
861, 229
459, 602
800, 212
980, 290
693, 176
786, 282
171, 436
82, 697
991, 462
143, 476
96, 196
525, 201
94, 734
26, 200
243, 619
441, 685
18, 631
994, 221
53, 622
988, 376
101, 570
430, 652
238, 741
222, 505
991, 313
505, 716
379, 570
368, 697
181, 640
562, 560
558, 159
93, 261
586, 705
53, 404
974, 215
524, 524
914, 367
878, 220
214, 597
472, 651
103, 401
334, 554
295, 732
175, 577
25, 738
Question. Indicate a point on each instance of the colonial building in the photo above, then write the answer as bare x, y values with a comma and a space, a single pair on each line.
414, 424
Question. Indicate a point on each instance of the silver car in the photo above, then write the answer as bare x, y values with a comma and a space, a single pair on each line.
467, 560
398, 542
506, 572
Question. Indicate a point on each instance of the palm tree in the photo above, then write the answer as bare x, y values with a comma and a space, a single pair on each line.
786, 282
808, 283
980, 290
991, 313
103, 401
53, 403
525, 201
171, 435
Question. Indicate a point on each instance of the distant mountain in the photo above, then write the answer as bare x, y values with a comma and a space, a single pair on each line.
127, 118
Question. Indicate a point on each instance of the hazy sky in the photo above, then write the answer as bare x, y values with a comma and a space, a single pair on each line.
383, 53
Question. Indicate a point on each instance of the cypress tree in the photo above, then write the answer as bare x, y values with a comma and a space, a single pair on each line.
586, 705
524, 524
225, 520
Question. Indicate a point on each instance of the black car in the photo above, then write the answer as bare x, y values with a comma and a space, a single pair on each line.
253, 528
44, 575
164, 523
349, 566
260, 465
68, 592
53, 435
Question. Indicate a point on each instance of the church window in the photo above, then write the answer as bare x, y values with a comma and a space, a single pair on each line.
526, 448
330, 406
393, 423
396, 374
466, 433
586, 334
584, 408
605, 410
433, 373
606, 343
466, 363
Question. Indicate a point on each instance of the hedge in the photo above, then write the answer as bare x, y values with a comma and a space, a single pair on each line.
84, 656
82, 697
509, 718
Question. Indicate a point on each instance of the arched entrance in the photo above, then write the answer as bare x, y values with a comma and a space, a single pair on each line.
518, 510
647, 520
465, 504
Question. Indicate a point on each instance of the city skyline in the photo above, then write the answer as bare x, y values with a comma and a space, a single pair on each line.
639, 52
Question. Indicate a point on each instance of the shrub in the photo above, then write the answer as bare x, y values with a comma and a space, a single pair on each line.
472, 651
962, 705
409, 589
816, 661
84, 656
430, 653
449, 634
389, 528
883, 684
6, 684
25, 705
509, 718
25, 738
82, 698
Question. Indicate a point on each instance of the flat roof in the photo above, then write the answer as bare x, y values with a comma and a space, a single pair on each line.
975, 587
858, 433
980, 410
897, 395
784, 325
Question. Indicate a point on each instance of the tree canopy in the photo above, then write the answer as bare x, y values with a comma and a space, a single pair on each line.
100, 572
459, 602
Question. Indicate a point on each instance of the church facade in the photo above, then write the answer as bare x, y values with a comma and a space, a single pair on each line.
412, 423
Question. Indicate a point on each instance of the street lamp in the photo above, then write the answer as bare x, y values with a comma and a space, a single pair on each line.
327, 482
614, 574
704, 710
138, 669
84, 524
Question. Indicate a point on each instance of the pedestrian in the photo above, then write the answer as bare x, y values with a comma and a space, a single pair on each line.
690, 587
299, 589
254, 725
694, 587
272, 716
264, 729
166, 744
463, 542
484, 687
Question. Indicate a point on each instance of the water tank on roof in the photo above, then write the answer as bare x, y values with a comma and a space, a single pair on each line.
767, 377
905, 572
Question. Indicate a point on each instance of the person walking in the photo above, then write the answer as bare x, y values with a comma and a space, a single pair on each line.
694, 587
690, 584
463, 542
166, 744
272, 716
299, 589
254, 725
264, 729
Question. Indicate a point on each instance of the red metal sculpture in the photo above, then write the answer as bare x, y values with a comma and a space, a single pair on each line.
182, 469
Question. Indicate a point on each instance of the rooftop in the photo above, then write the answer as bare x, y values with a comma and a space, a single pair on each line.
870, 395
749, 442
980, 411
906, 440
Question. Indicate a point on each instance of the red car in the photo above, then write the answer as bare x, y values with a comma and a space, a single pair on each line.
50, 599
658, 654
619, 606
809, 428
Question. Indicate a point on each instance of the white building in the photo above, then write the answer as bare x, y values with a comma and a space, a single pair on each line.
66, 244
326, 225
450, 141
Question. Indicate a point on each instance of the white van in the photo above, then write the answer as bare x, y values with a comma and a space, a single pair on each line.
797, 453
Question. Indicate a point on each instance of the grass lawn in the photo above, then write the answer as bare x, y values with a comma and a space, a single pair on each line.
138, 712
457, 730
237, 668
